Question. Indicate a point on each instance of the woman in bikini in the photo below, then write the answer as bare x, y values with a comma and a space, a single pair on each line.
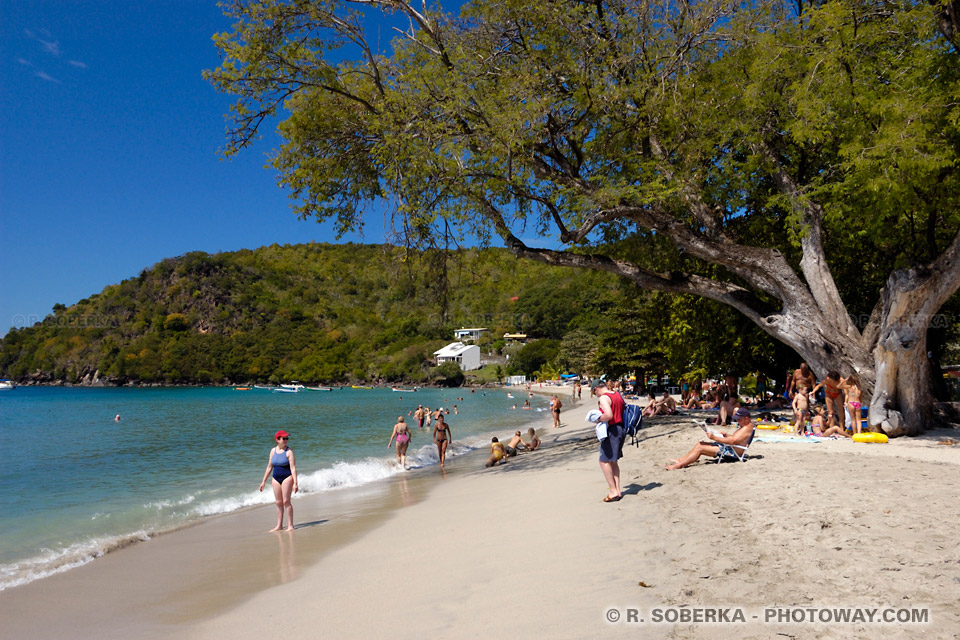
851, 385
442, 437
402, 433
283, 465
833, 396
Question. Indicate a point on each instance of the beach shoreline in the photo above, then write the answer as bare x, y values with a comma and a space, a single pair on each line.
798, 525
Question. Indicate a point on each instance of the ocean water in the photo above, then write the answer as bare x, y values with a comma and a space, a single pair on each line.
77, 484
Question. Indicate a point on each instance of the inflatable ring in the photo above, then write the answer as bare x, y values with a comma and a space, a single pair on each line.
870, 437
765, 425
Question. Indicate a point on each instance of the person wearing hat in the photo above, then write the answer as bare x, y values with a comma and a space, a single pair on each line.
611, 447
283, 465
739, 438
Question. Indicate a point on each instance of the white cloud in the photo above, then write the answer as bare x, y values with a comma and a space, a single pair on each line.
77, 63
29, 34
52, 48
45, 76
25, 63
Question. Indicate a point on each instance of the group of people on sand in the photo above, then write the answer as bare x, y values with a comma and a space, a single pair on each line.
842, 397
499, 451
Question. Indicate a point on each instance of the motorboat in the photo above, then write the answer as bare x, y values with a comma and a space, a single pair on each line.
295, 387
319, 389
7, 385
283, 389
398, 390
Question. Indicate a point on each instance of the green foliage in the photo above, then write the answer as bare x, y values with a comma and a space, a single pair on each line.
534, 355
315, 313
682, 138
449, 374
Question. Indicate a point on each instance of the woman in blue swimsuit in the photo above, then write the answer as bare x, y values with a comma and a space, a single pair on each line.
284, 467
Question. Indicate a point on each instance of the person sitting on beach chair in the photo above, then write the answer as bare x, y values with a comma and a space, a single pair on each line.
721, 445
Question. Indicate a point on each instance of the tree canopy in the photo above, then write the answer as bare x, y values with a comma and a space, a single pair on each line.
743, 151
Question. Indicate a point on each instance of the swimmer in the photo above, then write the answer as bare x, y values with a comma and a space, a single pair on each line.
284, 467
402, 433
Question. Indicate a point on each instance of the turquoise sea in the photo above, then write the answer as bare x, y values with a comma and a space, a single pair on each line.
79, 484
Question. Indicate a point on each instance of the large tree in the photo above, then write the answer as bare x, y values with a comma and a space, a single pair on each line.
741, 151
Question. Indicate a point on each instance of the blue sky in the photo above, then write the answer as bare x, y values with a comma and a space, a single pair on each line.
109, 151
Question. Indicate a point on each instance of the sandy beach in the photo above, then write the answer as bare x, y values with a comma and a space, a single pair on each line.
528, 549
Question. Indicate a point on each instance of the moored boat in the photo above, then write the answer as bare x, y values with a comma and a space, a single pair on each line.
7, 385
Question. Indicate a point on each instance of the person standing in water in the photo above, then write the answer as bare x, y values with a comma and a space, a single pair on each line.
283, 464
402, 433
442, 436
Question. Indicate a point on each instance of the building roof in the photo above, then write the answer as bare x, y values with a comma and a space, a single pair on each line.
454, 349
461, 330
514, 335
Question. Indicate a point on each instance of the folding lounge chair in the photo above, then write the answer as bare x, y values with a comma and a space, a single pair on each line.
733, 452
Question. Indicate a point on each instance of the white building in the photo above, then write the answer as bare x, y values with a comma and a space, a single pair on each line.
465, 355
469, 335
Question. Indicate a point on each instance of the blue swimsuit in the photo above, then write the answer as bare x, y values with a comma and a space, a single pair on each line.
281, 466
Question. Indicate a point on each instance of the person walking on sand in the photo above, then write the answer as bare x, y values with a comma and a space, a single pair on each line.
611, 447
442, 436
402, 433
283, 465
555, 405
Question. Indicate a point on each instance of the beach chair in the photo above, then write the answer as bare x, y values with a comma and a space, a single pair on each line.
733, 452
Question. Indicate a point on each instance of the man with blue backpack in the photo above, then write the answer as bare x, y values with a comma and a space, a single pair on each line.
611, 447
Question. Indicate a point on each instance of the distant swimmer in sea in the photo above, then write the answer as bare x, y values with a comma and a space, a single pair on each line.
526, 404
497, 453
509, 395
402, 433
116, 418
284, 467
442, 436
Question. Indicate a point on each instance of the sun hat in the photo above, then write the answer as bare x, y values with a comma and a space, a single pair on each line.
280, 434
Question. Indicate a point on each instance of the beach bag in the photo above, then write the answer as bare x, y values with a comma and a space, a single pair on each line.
632, 421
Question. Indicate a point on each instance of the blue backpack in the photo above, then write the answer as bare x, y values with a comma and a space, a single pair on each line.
632, 420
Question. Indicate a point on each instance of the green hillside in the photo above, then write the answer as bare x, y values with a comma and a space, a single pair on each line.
314, 313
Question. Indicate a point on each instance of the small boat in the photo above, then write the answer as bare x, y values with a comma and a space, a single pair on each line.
7, 385
360, 387
257, 386
295, 387
284, 390
242, 389
319, 388
402, 390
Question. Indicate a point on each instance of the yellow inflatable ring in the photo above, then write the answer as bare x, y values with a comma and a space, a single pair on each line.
764, 425
870, 437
